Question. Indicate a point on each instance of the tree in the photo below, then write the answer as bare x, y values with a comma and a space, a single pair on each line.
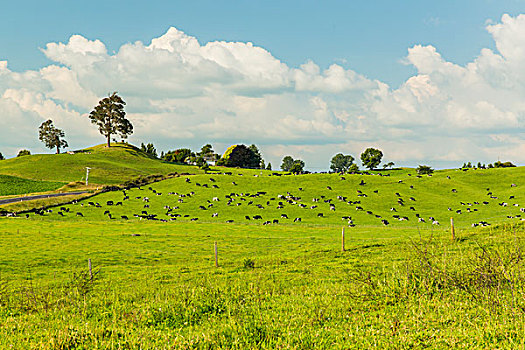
23, 152
149, 149
240, 156
371, 158
1, 156
257, 158
297, 167
340, 163
178, 156
388, 165
110, 117
269, 166
287, 163
51, 136
424, 170
354, 169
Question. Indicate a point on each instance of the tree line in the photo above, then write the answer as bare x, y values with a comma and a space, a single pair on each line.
110, 118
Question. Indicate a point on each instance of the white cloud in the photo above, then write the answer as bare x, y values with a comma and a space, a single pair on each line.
180, 92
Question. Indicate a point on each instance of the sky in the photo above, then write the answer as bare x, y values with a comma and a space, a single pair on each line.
428, 82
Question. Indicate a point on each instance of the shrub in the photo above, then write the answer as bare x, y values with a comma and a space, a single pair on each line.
424, 169
23, 152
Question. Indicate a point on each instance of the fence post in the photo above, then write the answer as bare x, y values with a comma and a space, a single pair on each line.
452, 229
90, 271
343, 240
216, 254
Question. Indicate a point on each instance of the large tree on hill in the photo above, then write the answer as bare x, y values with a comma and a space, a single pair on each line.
340, 163
51, 136
240, 156
110, 117
371, 158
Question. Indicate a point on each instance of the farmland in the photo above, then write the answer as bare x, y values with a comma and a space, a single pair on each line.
279, 284
12, 185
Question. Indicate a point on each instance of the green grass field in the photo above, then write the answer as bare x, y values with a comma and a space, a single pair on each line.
281, 285
12, 185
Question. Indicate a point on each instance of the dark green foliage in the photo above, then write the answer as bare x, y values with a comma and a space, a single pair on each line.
257, 158
371, 158
51, 136
269, 166
424, 170
1, 156
10, 185
287, 163
110, 117
240, 156
388, 165
297, 167
353, 169
178, 156
23, 152
340, 163
149, 149
499, 164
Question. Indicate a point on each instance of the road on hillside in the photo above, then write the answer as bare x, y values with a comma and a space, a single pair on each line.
29, 198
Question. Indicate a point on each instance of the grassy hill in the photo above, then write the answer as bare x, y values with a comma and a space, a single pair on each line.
400, 197
112, 165
285, 285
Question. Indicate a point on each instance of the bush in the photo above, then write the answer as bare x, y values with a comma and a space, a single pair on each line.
23, 152
499, 164
424, 170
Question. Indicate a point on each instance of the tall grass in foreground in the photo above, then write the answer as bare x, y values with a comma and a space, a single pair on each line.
435, 293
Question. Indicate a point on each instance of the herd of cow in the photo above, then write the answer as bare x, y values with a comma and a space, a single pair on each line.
260, 201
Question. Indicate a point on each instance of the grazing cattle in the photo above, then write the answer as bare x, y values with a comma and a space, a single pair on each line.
412, 208
194, 219
229, 221
284, 216
79, 214
393, 209
109, 203
384, 222
118, 203
143, 212
329, 188
320, 215
214, 215
247, 217
421, 220
435, 222
267, 222
257, 217
124, 217
202, 207
106, 212
146, 205
275, 221
297, 220
362, 183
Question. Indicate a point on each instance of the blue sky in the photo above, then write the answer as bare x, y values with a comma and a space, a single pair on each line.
362, 67
370, 37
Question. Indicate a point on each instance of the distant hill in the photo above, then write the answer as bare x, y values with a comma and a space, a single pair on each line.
113, 165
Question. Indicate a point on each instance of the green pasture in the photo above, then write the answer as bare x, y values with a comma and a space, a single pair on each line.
282, 285
156, 286
480, 196
12, 185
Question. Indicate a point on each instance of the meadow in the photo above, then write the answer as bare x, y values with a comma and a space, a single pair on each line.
12, 185
284, 284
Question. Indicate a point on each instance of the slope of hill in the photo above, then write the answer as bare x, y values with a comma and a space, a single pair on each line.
112, 165
401, 199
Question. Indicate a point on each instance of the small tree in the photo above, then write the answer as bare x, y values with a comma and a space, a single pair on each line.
257, 161
388, 165
340, 163
297, 167
1, 156
23, 152
287, 163
371, 158
424, 170
269, 166
353, 169
178, 156
149, 149
51, 136
110, 117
